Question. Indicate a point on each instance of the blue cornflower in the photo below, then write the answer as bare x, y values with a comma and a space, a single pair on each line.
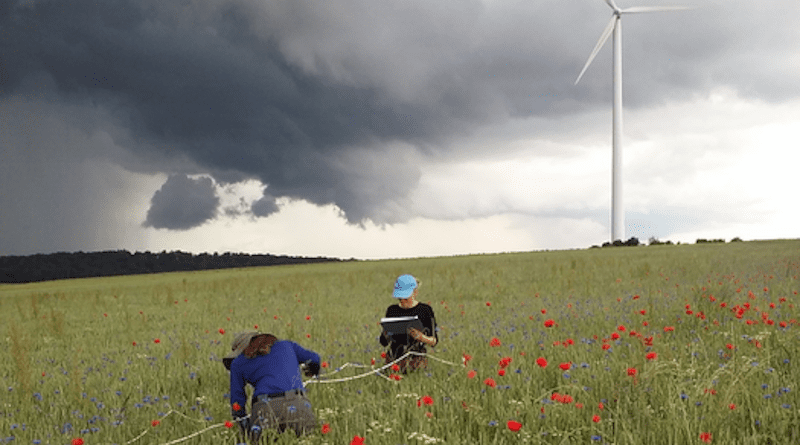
786, 405
492, 423
596, 438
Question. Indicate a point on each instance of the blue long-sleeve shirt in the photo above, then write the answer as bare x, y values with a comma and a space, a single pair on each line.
272, 373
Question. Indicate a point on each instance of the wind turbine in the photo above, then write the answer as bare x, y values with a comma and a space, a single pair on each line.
615, 26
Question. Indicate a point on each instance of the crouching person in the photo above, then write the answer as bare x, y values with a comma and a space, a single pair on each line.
271, 367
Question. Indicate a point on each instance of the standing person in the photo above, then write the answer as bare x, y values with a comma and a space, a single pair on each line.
406, 290
271, 366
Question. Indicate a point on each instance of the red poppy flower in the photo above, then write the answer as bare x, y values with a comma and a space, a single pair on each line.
222, 331
606, 346
549, 323
155, 423
236, 406
77, 441
255, 326
494, 342
427, 400
134, 343
396, 377
383, 355
501, 372
228, 424
615, 336
472, 374
357, 440
632, 372
324, 364
488, 303
157, 341
395, 367
513, 425
732, 406
490, 382
308, 317
544, 311
651, 356
326, 428
504, 362
600, 406
373, 361
705, 437
669, 328
595, 418
541, 362
465, 358
565, 366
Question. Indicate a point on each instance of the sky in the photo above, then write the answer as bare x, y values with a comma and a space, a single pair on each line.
369, 129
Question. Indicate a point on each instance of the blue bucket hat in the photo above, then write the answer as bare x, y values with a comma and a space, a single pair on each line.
404, 286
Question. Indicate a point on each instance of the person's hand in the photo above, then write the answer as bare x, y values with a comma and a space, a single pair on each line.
415, 334
312, 369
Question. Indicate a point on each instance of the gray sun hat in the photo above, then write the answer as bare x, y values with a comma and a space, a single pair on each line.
240, 342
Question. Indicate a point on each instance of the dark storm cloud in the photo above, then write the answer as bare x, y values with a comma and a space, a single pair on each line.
265, 206
183, 203
330, 101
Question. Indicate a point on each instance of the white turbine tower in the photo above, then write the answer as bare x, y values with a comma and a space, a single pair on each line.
615, 25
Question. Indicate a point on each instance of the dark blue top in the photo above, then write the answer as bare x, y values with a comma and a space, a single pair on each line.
272, 373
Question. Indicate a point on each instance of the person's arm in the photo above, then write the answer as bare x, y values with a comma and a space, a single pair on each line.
422, 338
430, 325
239, 399
384, 338
310, 358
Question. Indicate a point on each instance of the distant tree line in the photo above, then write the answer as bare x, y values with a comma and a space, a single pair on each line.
653, 241
56, 266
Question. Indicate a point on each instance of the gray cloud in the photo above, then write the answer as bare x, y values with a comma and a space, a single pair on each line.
264, 206
340, 102
183, 203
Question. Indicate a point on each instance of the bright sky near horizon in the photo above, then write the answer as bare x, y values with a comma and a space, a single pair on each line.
368, 129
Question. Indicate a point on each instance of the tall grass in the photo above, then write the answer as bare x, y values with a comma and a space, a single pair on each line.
102, 359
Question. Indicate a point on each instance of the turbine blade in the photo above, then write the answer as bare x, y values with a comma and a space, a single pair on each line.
612, 5
638, 9
603, 37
